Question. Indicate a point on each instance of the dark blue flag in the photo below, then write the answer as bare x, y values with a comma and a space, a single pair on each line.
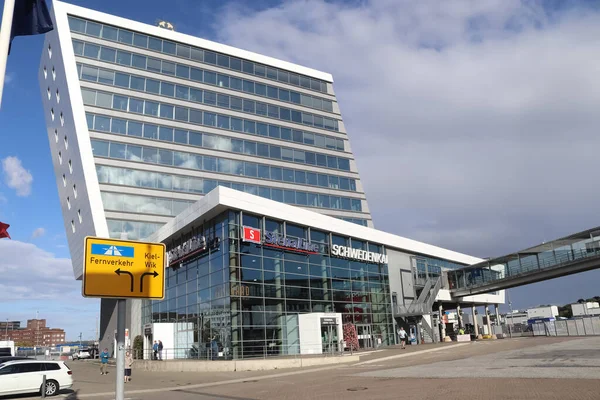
31, 17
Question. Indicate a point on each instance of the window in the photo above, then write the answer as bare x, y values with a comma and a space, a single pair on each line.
123, 57
168, 68
121, 80
153, 64
151, 108
183, 71
152, 86
169, 47
140, 40
166, 111
138, 83
210, 77
91, 50
107, 54
139, 61
167, 89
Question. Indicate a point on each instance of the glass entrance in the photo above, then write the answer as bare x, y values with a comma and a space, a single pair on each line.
329, 338
365, 336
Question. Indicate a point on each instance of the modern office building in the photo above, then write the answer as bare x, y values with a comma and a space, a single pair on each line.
144, 121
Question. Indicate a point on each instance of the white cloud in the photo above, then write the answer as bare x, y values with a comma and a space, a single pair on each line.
39, 232
9, 78
30, 273
36, 280
473, 122
17, 177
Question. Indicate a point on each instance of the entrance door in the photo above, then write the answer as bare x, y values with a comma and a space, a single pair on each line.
365, 336
329, 338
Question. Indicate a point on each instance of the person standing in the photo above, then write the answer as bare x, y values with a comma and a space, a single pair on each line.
128, 364
155, 350
214, 348
160, 350
104, 362
402, 334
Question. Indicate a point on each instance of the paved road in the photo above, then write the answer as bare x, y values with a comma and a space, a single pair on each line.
517, 369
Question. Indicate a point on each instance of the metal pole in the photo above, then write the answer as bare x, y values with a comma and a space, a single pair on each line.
5, 29
43, 386
121, 313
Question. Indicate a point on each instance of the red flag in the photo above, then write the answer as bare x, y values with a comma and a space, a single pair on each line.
4, 230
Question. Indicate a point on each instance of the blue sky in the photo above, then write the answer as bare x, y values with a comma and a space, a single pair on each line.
471, 123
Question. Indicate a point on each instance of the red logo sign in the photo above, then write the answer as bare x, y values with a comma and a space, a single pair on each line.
251, 235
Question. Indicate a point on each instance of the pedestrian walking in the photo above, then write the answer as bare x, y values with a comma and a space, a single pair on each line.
104, 362
402, 334
128, 364
160, 350
155, 350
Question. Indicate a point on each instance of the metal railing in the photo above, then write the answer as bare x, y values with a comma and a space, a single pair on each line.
471, 277
585, 326
247, 351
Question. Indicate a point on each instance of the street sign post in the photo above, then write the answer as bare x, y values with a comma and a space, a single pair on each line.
123, 269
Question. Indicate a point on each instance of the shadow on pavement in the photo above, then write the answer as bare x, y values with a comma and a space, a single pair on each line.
70, 395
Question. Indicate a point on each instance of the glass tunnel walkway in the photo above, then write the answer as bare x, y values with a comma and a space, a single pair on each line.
569, 255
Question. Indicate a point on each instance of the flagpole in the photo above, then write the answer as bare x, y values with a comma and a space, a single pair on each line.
5, 29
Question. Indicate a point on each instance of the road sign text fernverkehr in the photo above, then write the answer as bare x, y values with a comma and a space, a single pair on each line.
123, 269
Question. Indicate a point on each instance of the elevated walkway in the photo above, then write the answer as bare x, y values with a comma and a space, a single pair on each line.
569, 255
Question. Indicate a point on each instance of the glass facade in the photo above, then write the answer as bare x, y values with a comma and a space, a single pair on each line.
128, 37
247, 294
207, 119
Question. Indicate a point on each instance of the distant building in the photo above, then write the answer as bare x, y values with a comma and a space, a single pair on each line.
36, 334
589, 308
516, 318
10, 325
542, 312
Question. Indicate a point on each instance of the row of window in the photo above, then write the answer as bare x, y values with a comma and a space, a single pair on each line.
153, 180
143, 204
290, 135
434, 264
183, 114
121, 57
272, 292
207, 97
125, 36
209, 141
132, 230
153, 155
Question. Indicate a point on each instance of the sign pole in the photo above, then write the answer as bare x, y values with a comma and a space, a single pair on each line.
120, 375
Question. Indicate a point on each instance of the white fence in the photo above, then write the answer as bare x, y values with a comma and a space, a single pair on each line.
587, 326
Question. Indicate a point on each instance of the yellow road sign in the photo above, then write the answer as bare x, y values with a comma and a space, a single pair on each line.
123, 269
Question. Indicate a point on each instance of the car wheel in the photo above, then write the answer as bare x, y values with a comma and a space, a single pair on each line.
51, 388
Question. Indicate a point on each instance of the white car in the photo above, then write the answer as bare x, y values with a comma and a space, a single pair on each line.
81, 355
26, 376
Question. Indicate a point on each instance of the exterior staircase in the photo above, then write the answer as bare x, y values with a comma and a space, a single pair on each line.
424, 303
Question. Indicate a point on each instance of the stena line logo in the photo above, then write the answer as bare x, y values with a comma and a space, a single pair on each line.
356, 254
250, 234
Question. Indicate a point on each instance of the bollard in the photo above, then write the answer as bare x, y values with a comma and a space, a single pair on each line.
43, 386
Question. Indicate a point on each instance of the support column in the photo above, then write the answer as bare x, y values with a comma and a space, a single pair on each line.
475, 324
441, 321
459, 316
489, 322
497, 314
120, 350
